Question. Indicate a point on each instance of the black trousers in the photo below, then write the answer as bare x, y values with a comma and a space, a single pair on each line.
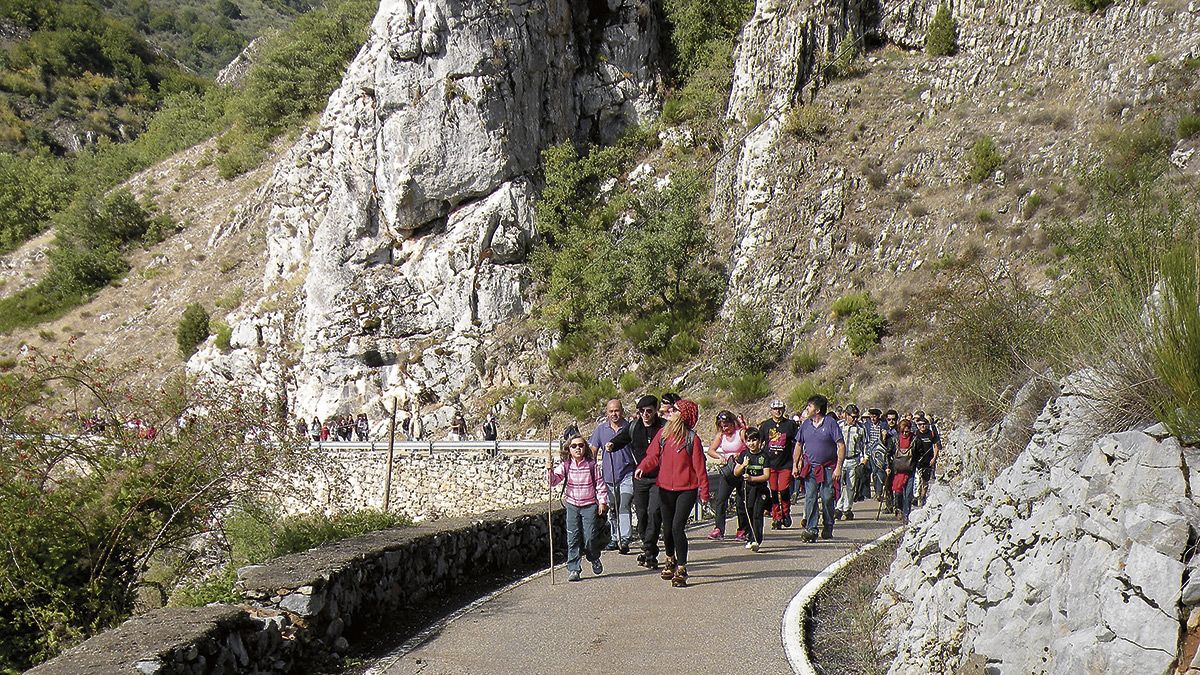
649, 517
758, 497
676, 507
724, 489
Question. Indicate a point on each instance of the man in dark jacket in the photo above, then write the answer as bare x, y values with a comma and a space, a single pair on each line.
926, 447
637, 436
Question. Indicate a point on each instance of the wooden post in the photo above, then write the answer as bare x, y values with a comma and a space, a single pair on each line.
550, 509
387, 478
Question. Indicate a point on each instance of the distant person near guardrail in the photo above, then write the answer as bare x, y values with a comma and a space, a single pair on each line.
491, 428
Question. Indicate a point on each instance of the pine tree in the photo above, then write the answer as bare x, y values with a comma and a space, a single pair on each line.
942, 37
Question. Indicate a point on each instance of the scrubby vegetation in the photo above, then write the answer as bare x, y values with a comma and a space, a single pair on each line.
983, 159
82, 520
1124, 312
942, 37
255, 533
193, 329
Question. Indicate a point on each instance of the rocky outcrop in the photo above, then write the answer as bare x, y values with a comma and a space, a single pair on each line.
803, 221
399, 227
1076, 559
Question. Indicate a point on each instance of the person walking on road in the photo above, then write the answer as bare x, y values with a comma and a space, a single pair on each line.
637, 436
751, 466
855, 438
586, 502
726, 446
678, 455
618, 466
819, 464
779, 433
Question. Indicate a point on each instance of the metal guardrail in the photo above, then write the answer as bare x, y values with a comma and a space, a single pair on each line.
495, 447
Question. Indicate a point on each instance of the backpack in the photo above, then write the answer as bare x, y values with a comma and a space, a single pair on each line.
571, 431
903, 461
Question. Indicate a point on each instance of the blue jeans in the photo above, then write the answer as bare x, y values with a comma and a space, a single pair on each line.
620, 510
905, 499
581, 535
812, 515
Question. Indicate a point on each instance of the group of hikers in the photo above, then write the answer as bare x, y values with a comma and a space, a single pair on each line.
653, 469
342, 428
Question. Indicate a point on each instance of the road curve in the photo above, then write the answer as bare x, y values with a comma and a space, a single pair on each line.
628, 620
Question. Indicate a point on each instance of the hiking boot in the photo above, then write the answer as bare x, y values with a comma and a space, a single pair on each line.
774, 524
716, 535
808, 536
849, 515
573, 576
641, 559
837, 514
754, 546
787, 519
651, 563
741, 537
597, 567
827, 532
668, 570
624, 548
679, 580
749, 546
612, 546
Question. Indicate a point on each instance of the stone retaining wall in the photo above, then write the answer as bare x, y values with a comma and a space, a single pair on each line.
425, 485
306, 608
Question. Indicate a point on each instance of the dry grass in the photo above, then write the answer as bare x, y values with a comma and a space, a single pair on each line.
844, 628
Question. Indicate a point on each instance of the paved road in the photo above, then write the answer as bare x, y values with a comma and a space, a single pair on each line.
628, 620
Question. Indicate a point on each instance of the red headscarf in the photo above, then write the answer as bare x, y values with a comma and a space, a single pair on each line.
689, 411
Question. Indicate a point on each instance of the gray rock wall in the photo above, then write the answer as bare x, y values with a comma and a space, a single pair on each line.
1077, 559
397, 230
424, 485
304, 609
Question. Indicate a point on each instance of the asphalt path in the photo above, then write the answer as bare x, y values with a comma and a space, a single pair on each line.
628, 620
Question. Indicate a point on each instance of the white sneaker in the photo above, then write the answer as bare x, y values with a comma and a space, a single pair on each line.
754, 546
750, 546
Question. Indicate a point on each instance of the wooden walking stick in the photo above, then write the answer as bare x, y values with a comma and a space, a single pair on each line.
550, 507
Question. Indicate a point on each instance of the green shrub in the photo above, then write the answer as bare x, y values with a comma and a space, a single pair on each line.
982, 160
808, 121
1032, 203
863, 331
806, 360
746, 387
847, 305
593, 393
747, 346
224, 334
942, 36
806, 389
1188, 126
629, 382
216, 587
1176, 344
192, 329
1090, 6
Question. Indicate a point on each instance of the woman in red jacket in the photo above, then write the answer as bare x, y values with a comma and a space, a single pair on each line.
678, 455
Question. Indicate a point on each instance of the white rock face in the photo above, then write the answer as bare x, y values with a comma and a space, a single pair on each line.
400, 226
1071, 561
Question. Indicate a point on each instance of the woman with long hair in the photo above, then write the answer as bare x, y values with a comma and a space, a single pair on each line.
729, 442
678, 455
585, 502
901, 468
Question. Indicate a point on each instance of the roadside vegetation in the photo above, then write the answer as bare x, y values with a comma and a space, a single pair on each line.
1124, 310
97, 523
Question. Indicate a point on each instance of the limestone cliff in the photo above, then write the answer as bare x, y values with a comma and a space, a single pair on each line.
398, 228
1077, 559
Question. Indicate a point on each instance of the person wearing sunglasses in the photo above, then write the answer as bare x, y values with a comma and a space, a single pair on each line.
729, 442
636, 436
678, 456
586, 501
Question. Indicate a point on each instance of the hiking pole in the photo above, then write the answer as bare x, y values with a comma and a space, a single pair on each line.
550, 508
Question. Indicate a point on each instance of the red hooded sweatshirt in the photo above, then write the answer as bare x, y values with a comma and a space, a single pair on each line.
679, 468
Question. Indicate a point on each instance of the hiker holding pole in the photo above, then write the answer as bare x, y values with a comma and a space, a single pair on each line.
751, 466
586, 501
